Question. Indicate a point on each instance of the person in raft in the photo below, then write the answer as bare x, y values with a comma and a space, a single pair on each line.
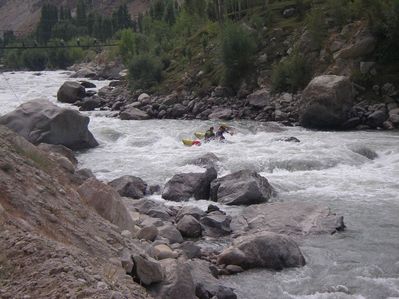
219, 134
210, 134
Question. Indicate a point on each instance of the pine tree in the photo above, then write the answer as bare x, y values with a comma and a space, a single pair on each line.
81, 15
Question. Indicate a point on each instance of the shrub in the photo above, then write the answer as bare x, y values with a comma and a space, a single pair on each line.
145, 71
127, 45
316, 25
35, 59
291, 74
238, 47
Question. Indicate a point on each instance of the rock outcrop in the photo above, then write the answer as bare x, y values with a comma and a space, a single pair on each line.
40, 121
326, 102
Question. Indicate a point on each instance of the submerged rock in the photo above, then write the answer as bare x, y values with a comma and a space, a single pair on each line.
40, 121
263, 250
244, 187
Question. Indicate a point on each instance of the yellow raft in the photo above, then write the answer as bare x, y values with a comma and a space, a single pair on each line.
190, 142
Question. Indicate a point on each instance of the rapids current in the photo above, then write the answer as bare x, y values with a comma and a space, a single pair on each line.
325, 167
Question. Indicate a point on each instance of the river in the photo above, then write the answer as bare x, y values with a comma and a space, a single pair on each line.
362, 262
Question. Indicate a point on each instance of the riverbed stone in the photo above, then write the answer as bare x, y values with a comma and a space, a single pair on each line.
260, 98
189, 227
130, 186
216, 224
133, 113
183, 186
170, 232
148, 233
263, 250
244, 187
147, 270
163, 251
194, 211
70, 92
40, 121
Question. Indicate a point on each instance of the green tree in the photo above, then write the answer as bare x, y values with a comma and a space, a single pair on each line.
145, 71
48, 18
127, 47
81, 13
35, 59
238, 47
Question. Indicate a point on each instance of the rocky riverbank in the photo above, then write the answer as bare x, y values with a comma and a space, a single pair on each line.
103, 238
338, 104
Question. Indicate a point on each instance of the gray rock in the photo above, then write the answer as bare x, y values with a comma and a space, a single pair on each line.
289, 218
178, 110
148, 233
177, 283
132, 113
40, 121
244, 187
289, 12
326, 102
194, 211
163, 251
107, 202
130, 186
234, 269
169, 232
216, 224
260, 98
89, 104
70, 92
207, 160
206, 285
183, 186
87, 84
152, 208
189, 227
147, 270
263, 250
221, 113
377, 118
190, 249
127, 261
59, 149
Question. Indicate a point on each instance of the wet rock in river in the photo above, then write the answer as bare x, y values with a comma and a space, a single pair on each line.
244, 187
263, 250
130, 186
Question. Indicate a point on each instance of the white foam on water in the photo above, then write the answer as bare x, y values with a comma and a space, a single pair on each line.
325, 167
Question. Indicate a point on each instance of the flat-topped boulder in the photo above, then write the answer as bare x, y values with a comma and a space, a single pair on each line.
40, 121
289, 218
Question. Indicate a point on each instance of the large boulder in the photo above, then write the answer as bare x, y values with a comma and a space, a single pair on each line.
107, 203
206, 285
288, 218
189, 227
194, 211
183, 186
133, 113
130, 186
177, 282
70, 92
147, 270
244, 187
264, 250
170, 232
326, 102
40, 121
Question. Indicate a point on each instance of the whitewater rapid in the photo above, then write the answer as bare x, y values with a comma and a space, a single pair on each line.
325, 167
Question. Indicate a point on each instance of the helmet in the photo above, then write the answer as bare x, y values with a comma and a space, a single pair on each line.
211, 128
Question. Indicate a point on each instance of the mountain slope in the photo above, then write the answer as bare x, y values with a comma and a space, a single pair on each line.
22, 16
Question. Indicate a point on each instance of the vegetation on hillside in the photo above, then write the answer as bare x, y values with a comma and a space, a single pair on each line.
204, 43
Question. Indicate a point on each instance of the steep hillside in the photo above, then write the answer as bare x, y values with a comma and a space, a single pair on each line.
23, 16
